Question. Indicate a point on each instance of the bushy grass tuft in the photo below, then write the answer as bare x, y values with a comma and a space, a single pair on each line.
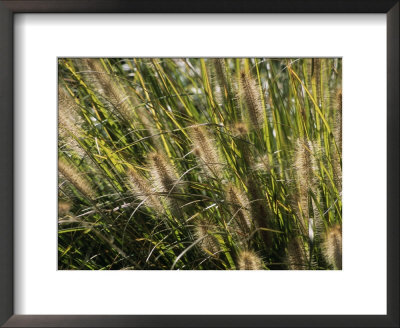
200, 164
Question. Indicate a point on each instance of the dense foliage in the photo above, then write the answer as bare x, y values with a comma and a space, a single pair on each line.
200, 164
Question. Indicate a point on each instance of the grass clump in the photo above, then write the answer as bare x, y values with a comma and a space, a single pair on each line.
200, 164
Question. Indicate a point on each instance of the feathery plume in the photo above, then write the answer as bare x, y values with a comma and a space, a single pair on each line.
337, 133
219, 66
338, 123
297, 257
316, 75
316, 224
206, 151
165, 180
209, 244
248, 260
225, 87
305, 163
306, 167
108, 87
216, 88
69, 121
163, 173
239, 206
142, 190
332, 247
71, 174
259, 211
251, 94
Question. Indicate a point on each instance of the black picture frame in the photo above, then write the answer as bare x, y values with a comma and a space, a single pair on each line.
7, 11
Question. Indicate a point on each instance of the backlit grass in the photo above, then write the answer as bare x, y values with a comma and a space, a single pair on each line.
200, 164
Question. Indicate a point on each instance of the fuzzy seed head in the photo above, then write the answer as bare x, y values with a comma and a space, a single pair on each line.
163, 173
338, 124
209, 244
207, 152
337, 133
249, 260
316, 73
223, 86
259, 210
251, 95
141, 189
317, 221
305, 163
337, 173
339, 100
332, 247
68, 119
109, 87
297, 258
239, 206
165, 180
306, 168
219, 65
69, 123
75, 177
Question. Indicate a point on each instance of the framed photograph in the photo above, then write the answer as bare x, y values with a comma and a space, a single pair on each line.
205, 164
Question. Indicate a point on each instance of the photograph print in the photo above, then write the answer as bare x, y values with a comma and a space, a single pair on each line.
199, 163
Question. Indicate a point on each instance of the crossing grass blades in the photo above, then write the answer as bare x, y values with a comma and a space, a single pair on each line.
200, 164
